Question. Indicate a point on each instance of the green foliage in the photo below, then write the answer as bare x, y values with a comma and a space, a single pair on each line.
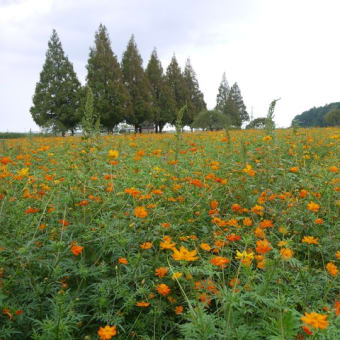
257, 123
195, 100
211, 120
90, 123
112, 101
177, 85
163, 103
56, 100
138, 86
315, 116
332, 118
270, 124
235, 95
223, 94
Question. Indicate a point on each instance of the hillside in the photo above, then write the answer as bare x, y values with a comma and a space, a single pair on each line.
314, 116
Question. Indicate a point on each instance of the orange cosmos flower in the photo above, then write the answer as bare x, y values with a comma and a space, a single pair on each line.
319, 221
167, 244
107, 332
63, 222
337, 254
315, 320
266, 224
219, 261
337, 308
140, 212
161, 271
123, 260
142, 304
163, 289
286, 253
247, 222
179, 310
146, 245
76, 249
263, 246
214, 204
205, 246
236, 208
258, 210
184, 254
233, 237
313, 207
306, 330
294, 169
310, 240
334, 169
332, 269
303, 193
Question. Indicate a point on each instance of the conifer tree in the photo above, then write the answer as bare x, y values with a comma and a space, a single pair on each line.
235, 94
163, 103
56, 99
104, 76
176, 82
195, 100
223, 94
231, 111
138, 86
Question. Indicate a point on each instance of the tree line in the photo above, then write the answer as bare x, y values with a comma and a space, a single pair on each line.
126, 92
328, 115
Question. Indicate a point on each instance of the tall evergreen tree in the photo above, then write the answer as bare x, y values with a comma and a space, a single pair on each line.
195, 100
176, 82
138, 85
236, 96
223, 94
56, 99
104, 76
163, 103
231, 111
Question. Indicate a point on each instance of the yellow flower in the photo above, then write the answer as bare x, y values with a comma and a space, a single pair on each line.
315, 320
113, 154
184, 254
176, 275
23, 172
244, 255
267, 138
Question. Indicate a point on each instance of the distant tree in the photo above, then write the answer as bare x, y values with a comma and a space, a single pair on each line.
56, 100
138, 85
211, 120
195, 100
179, 90
223, 94
315, 116
235, 94
332, 118
112, 101
163, 103
257, 123
231, 111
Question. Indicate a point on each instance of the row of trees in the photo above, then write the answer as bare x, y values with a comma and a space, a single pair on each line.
125, 91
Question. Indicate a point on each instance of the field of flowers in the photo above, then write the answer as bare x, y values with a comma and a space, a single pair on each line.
158, 237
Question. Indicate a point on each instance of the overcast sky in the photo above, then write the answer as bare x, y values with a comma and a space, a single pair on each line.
287, 49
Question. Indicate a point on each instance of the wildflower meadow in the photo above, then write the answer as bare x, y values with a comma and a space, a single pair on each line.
204, 235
